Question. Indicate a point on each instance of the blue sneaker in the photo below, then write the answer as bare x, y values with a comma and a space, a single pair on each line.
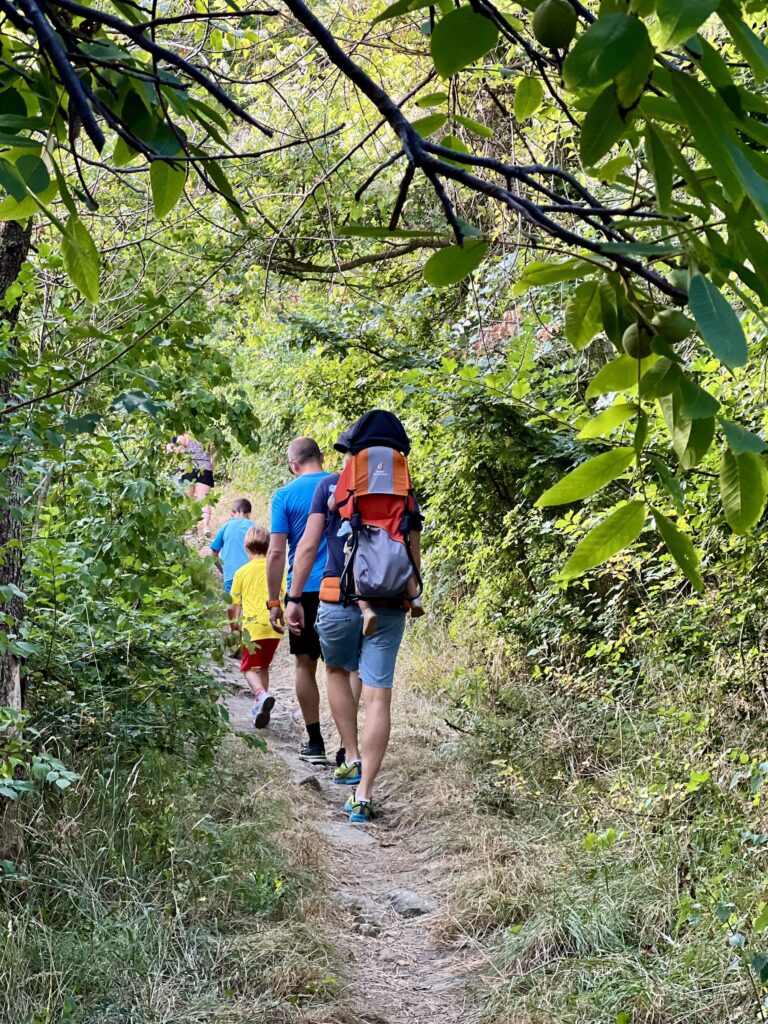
360, 811
347, 774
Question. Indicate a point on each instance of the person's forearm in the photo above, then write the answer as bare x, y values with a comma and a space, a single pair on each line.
275, 572
303, 561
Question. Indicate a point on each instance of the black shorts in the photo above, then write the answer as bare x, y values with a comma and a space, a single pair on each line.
198, 476
307, 642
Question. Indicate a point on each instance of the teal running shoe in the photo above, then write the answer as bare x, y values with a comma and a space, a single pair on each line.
360, 811
347, 774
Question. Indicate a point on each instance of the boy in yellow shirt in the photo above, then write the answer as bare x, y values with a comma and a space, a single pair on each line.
249, 596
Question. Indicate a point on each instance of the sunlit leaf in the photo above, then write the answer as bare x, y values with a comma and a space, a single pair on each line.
454, 263
743, 489
614, 533
460, 38
81, 258
680, 546
587, 478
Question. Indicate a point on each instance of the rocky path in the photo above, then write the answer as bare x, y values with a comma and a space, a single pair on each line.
382, 878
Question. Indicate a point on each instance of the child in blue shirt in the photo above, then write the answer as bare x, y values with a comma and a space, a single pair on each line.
228, 546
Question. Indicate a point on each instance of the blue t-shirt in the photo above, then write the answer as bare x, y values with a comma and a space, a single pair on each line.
290, 511
334, 565
229, 543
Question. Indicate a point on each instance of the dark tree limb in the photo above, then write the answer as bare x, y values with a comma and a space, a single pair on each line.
436, 168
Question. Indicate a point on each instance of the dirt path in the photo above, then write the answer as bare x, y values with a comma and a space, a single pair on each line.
377, 874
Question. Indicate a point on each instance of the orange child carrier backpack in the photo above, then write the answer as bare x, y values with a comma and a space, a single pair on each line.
374, 495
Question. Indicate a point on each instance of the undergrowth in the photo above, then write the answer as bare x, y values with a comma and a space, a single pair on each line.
606, 845
164, 893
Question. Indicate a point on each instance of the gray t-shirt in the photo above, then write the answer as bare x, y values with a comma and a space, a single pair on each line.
199, 456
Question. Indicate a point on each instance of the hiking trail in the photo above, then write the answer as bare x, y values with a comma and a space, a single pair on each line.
383, 878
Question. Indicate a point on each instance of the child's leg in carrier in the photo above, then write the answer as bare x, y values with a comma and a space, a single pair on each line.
370, 621
417, 608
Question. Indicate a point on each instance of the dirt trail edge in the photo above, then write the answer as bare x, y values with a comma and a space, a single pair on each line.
381, 879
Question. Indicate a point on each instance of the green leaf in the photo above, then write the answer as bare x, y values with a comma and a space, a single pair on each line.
123, 154
641, 432
12, 102
430, 124
167, 184
400, 7
587, 478
34, 173
662, 379
754, 184
709, 120
632, 80
601, 129
750, 45
454, 263
454, 143
474, 126
12, 181
601, 53
740, 439
460, 38
717, 322
670, 484
696, 403
760, 923
621, 374
583, 314
679, 19
434, 99
743, 489
681, 548
661, 168
542, 273
607, 420
615, 532
81, 258
691, 439
529, 95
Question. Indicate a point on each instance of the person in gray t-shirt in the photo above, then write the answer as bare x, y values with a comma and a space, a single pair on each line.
197, 471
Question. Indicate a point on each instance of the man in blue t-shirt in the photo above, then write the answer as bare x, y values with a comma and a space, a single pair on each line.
290, 509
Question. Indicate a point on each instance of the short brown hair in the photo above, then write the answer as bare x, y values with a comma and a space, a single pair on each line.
242, 505
257, 540
304, 449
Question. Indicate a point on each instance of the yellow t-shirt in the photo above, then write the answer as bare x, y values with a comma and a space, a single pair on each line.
249, 588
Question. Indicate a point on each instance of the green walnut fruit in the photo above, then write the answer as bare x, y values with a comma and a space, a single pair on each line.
678, 278
554, 24
636, 341
672, 325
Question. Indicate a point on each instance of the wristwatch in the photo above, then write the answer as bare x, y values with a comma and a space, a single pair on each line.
273, 604
292, 600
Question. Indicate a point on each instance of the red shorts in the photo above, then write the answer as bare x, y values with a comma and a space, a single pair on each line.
261, 657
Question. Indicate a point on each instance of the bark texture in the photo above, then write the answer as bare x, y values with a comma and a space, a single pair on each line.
14, 247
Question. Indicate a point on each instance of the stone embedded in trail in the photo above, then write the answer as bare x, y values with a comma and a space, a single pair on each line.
367, 929
301, 777
410, 904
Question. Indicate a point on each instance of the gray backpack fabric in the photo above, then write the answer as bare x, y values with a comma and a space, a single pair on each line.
382, 567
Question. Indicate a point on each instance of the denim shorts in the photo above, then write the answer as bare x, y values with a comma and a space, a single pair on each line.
344, 646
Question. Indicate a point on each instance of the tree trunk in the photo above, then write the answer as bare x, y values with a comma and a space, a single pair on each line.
14, 246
